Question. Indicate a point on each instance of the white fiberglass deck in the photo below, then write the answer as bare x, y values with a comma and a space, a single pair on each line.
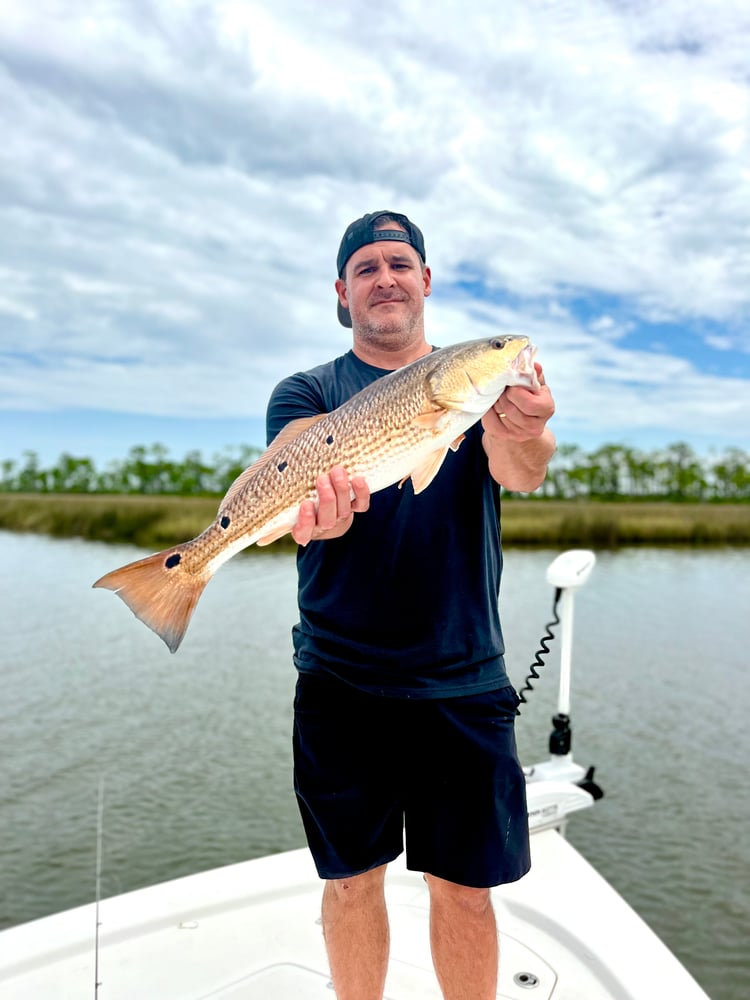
251, 932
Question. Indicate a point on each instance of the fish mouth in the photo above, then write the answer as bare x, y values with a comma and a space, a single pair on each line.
523, 365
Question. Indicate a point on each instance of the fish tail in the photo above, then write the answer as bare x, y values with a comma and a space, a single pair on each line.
160, 592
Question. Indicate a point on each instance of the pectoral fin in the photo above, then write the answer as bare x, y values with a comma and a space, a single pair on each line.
431, 420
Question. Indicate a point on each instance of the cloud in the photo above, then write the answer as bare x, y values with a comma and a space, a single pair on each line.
175, 179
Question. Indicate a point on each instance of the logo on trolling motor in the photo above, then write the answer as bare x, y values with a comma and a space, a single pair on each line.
545, 812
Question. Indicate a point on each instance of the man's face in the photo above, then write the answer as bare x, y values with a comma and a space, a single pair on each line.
384, 287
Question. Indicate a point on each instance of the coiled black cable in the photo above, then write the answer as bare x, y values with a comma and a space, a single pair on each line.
543, 650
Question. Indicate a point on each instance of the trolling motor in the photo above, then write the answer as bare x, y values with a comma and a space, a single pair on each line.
567, 573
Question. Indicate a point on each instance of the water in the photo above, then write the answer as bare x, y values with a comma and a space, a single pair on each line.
195, 754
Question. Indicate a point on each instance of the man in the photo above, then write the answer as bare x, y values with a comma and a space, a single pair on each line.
404, 713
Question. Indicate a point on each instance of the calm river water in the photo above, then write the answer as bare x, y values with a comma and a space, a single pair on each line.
194, 748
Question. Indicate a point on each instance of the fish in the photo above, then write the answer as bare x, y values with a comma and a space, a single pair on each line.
399, 427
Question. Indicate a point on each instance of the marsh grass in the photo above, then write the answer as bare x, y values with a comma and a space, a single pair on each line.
153, 522
610, 525
157, 522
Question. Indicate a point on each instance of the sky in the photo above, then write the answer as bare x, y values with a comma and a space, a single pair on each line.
176, 175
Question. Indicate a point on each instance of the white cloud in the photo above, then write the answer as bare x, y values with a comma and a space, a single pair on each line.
175, 179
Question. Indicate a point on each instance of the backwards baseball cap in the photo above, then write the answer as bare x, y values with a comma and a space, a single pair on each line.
369, 229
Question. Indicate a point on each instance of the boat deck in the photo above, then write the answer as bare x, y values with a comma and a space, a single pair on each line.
252, 932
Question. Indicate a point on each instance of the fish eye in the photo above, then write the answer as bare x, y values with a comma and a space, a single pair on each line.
497, 343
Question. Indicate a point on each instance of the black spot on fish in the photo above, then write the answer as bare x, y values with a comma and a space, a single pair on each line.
282, 466
329, 439
225, 522
174, 560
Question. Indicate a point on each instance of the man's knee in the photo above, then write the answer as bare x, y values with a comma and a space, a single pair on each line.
356, 888
460, 897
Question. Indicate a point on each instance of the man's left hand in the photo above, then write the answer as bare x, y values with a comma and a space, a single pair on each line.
520, 414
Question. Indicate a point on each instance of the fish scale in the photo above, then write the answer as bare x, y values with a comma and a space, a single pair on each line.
400, 426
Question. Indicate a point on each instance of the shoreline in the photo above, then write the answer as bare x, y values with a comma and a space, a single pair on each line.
157, 522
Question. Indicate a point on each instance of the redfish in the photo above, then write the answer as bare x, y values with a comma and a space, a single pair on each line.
400, 427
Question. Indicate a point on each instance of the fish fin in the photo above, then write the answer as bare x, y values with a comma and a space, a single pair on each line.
161, 597
454, 445
423, 475
430, 419
292, 430
273, 536
288, 433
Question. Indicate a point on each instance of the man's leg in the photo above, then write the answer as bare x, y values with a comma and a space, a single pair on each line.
355, 926
463, 935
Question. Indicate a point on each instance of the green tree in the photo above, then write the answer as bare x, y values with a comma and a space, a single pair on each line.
731, 475
681, 473
72, 475
31, 478
8, 481
606, 466
562, 480
609, 472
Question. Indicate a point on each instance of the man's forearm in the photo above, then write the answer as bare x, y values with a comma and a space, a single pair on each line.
520, 466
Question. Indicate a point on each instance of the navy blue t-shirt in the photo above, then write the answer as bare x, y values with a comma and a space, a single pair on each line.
406, 602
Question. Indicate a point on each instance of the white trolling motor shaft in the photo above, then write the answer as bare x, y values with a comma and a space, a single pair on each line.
568, 572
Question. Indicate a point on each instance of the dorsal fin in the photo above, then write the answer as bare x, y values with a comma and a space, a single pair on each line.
292, 430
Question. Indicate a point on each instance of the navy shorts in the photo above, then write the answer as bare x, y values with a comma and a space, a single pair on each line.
445, 773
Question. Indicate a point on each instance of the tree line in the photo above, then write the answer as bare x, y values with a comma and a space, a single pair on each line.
609, 472
144, 470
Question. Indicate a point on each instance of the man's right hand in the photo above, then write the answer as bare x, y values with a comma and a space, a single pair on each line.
336, 507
